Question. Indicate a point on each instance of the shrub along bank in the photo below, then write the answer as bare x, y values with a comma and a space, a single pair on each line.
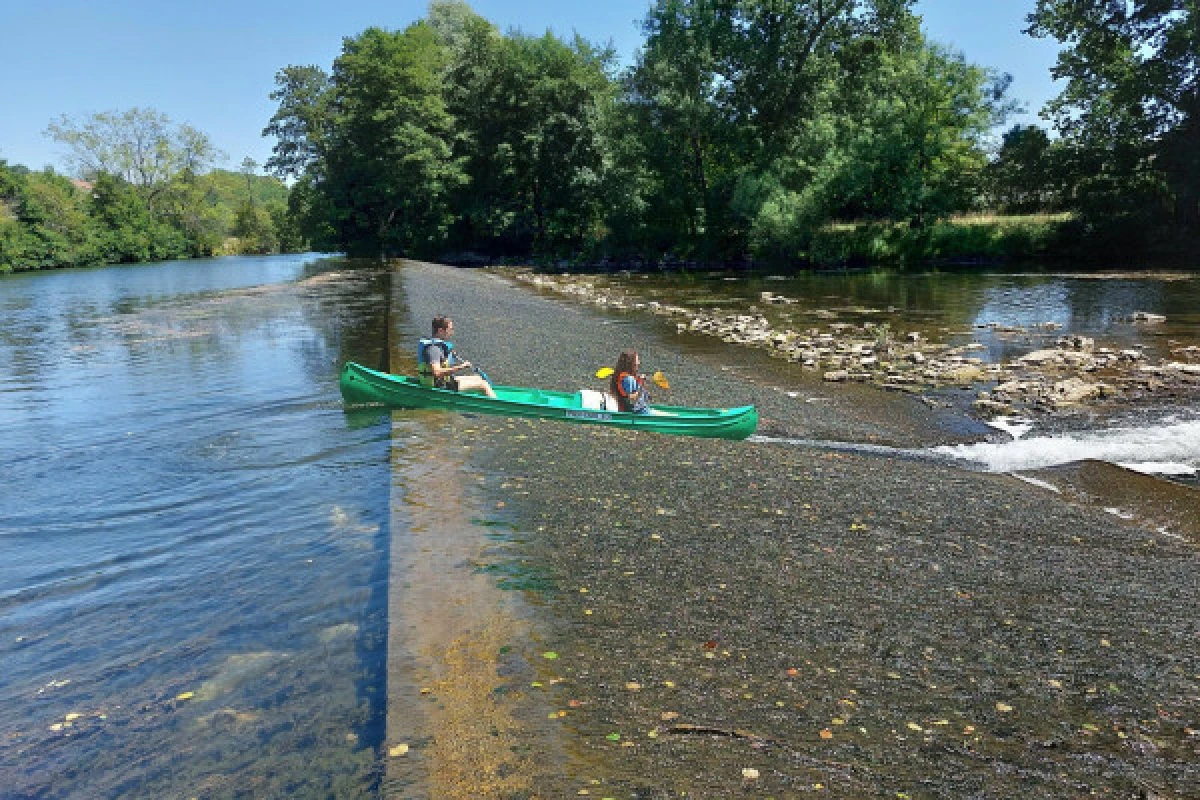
48, 221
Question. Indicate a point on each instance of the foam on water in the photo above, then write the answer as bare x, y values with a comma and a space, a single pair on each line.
1169, 447
1016, 427
1160, 468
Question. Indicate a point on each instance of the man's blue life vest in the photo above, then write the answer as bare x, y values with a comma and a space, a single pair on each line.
424, 369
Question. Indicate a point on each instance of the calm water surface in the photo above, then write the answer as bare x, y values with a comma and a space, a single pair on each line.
191, 531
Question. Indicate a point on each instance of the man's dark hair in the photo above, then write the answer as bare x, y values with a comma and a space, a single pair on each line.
440, 323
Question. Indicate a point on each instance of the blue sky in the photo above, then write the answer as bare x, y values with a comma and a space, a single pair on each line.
211, 63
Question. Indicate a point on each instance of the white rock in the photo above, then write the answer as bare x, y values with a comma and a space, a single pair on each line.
1039, 357
1074, 390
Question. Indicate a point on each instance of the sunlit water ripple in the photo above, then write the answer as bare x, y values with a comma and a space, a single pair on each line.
191, 536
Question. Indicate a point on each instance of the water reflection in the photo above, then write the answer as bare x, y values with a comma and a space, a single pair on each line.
192, 538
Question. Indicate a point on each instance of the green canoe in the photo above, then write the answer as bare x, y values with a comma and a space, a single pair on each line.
361, 385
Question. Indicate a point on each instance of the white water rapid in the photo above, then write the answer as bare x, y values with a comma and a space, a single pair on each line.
1167, 447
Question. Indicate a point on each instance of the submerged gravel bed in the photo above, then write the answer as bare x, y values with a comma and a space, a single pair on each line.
780, 621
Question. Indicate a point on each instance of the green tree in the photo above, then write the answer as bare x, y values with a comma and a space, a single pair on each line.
1129, 112
1025, 176
388, 167
301, 123
723, 91
900, 136
130, 229
141, 147
916, 142
527, 112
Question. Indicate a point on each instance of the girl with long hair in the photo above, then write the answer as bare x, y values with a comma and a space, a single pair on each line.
628, 385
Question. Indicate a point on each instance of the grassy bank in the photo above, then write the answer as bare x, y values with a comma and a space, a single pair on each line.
983, 238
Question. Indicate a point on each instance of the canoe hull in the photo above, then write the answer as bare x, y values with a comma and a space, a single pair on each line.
361, 385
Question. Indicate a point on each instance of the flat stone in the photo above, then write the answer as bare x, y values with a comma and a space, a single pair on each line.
1040, 357
1074, 390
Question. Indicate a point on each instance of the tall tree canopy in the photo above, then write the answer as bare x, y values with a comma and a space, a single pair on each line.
1131, 106
389, 164
743, 125
763, 120
140, 146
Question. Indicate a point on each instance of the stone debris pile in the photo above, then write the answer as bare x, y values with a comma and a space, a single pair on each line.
1074, 372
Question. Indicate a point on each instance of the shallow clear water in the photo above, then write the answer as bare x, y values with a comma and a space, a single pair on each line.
974, 305
192, 531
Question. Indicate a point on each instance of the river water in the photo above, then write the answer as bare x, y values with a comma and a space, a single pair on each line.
194, 533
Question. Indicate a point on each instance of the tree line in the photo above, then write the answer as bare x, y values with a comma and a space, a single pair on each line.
798, 132
147, 192
742, 128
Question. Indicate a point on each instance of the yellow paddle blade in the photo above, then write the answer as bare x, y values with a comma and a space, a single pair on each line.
660, 380
604, 372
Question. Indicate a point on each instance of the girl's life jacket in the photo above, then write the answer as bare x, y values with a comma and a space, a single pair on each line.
425, 368
623, 396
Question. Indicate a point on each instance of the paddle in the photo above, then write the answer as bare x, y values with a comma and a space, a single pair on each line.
478, 371
659, 379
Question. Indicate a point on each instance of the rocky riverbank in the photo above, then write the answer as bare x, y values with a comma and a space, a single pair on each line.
1069, 371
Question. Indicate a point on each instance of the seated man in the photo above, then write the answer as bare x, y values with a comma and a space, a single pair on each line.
437, 365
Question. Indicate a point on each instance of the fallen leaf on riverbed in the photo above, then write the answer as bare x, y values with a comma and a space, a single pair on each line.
185, 696
1003, 708
398, 750
549, 655
613, 737
826, 734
